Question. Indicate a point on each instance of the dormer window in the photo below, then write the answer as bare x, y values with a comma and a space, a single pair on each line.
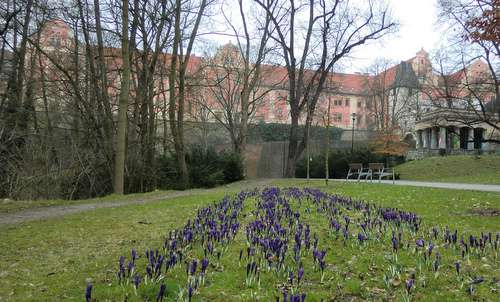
55, 42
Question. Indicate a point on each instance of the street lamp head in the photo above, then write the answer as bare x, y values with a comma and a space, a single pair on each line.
353, 116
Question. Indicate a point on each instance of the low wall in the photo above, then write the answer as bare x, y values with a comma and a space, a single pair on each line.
268, 159
423, 153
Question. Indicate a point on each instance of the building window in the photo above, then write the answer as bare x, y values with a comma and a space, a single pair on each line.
359, 104
219, 115
346, 102
337, 103
337, 117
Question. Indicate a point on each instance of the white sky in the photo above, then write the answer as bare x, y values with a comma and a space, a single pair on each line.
418, 29
417, 19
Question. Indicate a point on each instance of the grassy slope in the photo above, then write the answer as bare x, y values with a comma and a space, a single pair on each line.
459, 168
51, 260
10, 205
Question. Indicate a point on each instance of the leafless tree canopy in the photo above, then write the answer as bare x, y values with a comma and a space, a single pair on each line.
312, 37
92, 93
474, 42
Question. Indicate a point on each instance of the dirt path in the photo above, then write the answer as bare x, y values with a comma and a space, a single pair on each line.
58, 211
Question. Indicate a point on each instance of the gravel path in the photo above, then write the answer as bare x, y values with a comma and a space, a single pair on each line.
440, 185
58, 211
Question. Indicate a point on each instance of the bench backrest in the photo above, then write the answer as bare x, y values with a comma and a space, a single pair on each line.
356, 166
376, 166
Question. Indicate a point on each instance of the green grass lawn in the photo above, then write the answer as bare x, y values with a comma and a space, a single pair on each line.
483, 169
11, 205
52, 260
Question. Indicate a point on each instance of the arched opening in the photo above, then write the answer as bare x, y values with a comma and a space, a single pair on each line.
410, 140
478, 138
464, 137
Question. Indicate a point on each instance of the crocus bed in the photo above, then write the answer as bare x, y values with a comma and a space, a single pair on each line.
297, 245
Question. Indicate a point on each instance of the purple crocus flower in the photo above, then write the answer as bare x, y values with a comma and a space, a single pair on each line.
322, 264
300, 274
436, 264
430, 248
361, 238
395, 244
190, 292
88, 292
137, 280
130, 267
420, 243
193, 267
161, 293
409, 284
204, 265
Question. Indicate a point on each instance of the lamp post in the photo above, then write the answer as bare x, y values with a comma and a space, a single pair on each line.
327, 151
307, 143
352, 139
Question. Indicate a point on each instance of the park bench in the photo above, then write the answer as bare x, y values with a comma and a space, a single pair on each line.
378, 169
357, 169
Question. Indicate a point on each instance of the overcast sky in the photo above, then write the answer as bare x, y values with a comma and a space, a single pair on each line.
417, 19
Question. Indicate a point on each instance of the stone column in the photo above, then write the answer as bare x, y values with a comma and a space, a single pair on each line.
419, 140
425, 136
456, 140
442, 138
470, 139
434, 142
486, 146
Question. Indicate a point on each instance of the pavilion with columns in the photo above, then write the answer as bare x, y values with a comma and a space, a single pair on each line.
447, 131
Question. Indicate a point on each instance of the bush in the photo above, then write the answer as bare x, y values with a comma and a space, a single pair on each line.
271, 132
207, 168
233, 167
167, 172
339, 161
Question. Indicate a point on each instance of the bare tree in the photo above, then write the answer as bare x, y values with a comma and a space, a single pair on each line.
184, 30
235, 82
152, 37
331, 31
123, 106
462, 93
475, 39
392, 91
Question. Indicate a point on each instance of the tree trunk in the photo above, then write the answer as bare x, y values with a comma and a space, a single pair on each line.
108, 117
122, 110
293, 143
174, 102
